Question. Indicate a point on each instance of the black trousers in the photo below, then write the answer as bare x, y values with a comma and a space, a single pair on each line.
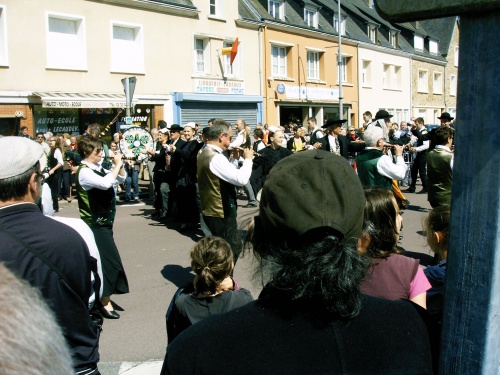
418, 167
226, 228
54, 184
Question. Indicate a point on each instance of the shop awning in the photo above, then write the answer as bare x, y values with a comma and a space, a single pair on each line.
80, 100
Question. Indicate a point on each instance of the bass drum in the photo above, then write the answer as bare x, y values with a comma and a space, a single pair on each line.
135, 143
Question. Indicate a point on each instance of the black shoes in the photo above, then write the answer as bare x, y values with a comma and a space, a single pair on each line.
423, 191
109, 314
249, 205
409, 190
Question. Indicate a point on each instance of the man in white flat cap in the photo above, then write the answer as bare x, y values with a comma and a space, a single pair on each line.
50, 255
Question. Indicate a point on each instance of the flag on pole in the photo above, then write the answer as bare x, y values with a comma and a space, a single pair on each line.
234, 51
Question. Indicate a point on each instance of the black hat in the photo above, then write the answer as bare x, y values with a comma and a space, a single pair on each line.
445, 116
324, 189
162, 124
333, 121
382, 114
176, 128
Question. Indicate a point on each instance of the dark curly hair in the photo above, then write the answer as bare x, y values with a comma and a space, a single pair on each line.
380, 222
212, 262
319, 270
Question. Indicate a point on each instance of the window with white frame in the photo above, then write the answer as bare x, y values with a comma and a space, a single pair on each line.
345, 70
336, 24
313, 65
278, 61
391, 77
311, 17
372, 32
423, 113
453, 85
455, 56
406, 114
366, 73
4, 60
66, 43
201, 56
276, 9
231, 70
215, 8
393, 38
124, 39
418, 42
437, 86
423, 84
433, 47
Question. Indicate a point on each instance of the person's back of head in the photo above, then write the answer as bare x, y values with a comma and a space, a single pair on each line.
308, 248
379, 222
32, 342
437, 227
211, 261
258, 133
442, 135
372, 135
94, 130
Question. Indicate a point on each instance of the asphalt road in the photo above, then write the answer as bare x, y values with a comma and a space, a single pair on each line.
156, 259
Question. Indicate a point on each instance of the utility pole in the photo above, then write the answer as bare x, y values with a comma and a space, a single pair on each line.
341, 68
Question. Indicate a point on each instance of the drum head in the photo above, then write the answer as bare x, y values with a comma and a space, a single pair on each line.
135, 143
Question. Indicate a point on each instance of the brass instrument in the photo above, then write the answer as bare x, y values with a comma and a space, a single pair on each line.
106, 128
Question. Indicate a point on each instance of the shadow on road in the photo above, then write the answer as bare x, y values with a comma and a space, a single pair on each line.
177, 275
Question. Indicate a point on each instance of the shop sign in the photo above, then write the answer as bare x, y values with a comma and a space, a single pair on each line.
141, 116
56, 120
215, 86
311, 93
83, 104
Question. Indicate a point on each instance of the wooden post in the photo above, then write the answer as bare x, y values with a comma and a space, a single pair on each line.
471, 322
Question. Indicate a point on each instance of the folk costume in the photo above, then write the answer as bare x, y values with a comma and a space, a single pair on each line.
375, 169
439, 176
96, 201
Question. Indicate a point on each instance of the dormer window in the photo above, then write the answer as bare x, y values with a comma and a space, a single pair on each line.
311, 17
433, 46
393, 39
276, 9
372, 32
336, 24
418, 43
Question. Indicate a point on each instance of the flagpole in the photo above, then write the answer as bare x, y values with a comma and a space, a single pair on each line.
341, 70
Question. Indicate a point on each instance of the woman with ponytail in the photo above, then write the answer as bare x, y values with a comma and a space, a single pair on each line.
213, 290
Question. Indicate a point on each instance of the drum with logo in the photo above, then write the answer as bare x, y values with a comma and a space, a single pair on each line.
135, 143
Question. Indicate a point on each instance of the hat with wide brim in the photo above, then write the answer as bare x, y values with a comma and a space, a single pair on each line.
334, 121
382, 114
445, 116
176, 128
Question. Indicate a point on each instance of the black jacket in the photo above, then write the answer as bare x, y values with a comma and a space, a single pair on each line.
345, 144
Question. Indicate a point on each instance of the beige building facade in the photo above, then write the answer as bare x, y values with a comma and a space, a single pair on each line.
62, 62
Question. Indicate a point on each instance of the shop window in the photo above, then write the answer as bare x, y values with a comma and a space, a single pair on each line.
231, 70
126, 38
313, 65
66, 43
3, 36
279, 61
276, 9
201, 56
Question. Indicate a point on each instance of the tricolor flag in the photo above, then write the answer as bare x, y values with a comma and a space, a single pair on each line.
231, 51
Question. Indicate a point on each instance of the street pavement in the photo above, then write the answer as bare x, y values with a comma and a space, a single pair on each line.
156, 259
